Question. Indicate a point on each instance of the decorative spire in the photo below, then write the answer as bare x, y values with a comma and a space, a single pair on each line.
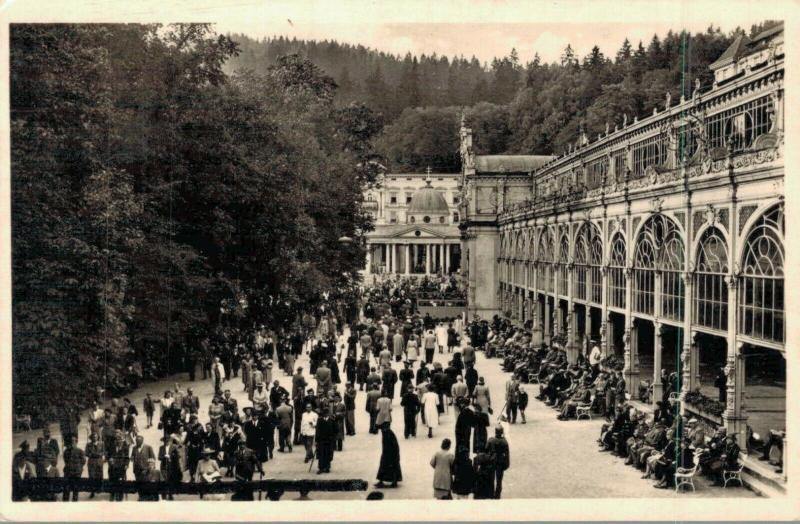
669, 100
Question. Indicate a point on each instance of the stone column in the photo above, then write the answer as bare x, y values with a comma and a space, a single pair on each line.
547, 318
408, 259
428, 259
631, 370
369, 260
587, 328
390, 262
440, 259
735, 417
447, 258
658, 387
608, 347
688, 349
606, 339
572, 330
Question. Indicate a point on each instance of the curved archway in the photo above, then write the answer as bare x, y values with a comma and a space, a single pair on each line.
710, 289
659, 247
544, 258
761, 290
616, 272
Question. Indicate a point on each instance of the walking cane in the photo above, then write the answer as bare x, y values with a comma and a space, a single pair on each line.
311, 464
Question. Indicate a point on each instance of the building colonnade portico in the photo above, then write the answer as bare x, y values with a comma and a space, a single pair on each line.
662, 241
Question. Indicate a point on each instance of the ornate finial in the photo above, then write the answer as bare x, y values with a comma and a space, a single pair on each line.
428, 170
624, 119
669, 100
607, 128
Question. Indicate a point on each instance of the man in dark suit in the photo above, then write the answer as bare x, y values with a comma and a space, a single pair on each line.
47, 451
254, 430
148, 491
471, 378
325, 439
118, 456
245, 465
74, 460
276, 394
140, 456
389, 380
497, 448
411, 406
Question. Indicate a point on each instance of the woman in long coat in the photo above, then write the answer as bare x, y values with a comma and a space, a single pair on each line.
389, 469
430, 403
481, 422
463, 475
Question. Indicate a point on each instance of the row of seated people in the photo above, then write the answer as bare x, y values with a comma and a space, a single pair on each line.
659, 444
662, 444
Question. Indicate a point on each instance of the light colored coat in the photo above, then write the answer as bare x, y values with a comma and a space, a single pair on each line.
430, 401
384, 407
442, 464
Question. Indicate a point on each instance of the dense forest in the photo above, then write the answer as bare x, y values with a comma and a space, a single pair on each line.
514, 105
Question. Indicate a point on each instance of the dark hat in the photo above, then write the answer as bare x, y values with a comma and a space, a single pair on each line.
24, 445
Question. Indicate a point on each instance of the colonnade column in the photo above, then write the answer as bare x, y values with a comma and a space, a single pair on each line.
688, 350
630, 337
447, 258
369, 259
428, 259
735, 417
547, 318
658, 387
390, 262
606, 336
408, 260
588, 327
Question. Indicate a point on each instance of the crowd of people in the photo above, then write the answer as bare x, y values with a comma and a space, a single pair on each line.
220, 440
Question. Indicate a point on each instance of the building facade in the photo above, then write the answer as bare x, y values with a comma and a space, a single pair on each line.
663, 240
416, 220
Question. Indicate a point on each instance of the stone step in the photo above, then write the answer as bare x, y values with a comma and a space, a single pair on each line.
763, 475
761, 488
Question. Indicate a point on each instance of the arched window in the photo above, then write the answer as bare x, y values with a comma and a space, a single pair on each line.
596, 262
616, 272
659, 246
544, 257
563, 260
588, 260
761, 299
581, 265
710, 289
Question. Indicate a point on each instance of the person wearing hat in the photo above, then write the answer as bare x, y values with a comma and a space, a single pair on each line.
255, 431
47, 451
285, 415
325, 438
140, 455
208, 472
695, 434
23, 469
497, 448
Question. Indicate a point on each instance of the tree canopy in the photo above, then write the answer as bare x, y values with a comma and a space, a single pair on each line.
150, 189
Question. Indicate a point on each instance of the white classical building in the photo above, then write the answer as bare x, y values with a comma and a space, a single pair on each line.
416, 224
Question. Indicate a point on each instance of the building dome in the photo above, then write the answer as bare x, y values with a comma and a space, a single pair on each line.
428, 201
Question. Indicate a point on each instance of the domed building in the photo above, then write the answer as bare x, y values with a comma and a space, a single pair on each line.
416, 225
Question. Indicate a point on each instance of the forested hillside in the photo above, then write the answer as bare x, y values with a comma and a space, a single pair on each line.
515, 104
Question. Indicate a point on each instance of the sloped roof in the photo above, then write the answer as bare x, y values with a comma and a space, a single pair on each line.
743, 46
733, 52
510, 163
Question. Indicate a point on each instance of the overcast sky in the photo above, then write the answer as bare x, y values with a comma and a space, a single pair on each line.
484, 28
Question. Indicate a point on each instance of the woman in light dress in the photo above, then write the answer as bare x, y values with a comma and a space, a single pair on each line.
412, 350
430, 403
